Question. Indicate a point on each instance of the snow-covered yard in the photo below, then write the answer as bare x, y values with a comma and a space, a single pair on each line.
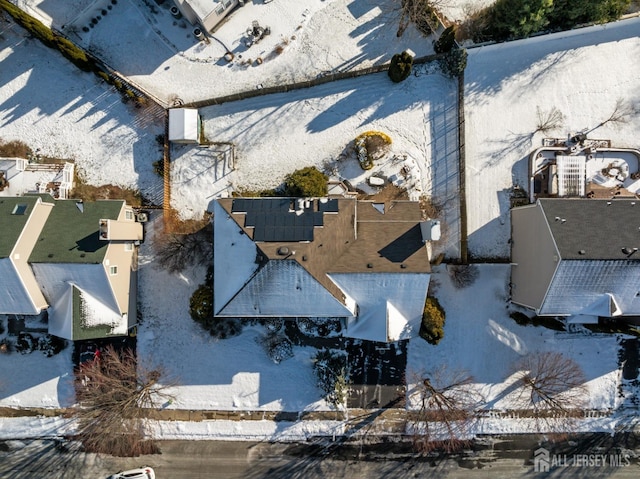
486, 343
581, 73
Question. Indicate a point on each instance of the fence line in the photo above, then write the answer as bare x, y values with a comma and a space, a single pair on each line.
319, 80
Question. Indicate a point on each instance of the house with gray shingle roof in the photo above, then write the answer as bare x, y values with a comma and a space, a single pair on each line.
577, 257
360, 261
73, 260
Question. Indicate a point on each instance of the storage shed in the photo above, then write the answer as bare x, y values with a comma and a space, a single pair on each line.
184, 125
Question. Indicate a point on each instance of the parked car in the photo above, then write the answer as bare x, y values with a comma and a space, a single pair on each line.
88, 352
144, 472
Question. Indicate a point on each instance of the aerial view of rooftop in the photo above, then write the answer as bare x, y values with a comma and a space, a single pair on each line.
319, 238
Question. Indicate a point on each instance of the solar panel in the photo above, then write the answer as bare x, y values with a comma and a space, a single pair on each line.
273, 220
328, 206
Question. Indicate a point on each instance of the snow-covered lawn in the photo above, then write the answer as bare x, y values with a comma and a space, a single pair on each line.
308, 38
33, 380
582, 73
486, 343
49, 104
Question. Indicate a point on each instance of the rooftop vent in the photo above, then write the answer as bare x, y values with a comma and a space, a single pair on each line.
283, 251
582, 252
369, 265
80, 206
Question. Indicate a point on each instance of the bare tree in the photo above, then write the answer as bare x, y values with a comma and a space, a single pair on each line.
621, 113
177, 251
422, 13
551, 389
548, 120
463, 275
114, 393
448, 401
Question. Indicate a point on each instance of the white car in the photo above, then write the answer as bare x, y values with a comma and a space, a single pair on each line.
144, 472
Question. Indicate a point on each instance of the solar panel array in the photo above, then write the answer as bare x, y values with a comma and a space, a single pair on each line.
275, 219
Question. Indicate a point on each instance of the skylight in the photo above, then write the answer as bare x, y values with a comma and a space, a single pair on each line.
19, 209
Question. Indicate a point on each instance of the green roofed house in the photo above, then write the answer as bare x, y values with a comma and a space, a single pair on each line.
75, 260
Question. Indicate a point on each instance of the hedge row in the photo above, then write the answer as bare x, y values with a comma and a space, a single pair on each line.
49, 37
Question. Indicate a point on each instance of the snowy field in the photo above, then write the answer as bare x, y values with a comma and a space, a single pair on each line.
582, 73
486, 343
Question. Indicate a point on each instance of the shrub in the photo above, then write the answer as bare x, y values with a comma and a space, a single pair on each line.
77, 56
433, 318
306, 182
51, 345
6, 346
454, 62
447, 40
520, 318
278, 347
507, 19
158, 167
274, 324
330, 367
400, 67
26, 343
463, 275
201, 305
104, 76
548, 322
14, 148
321, 327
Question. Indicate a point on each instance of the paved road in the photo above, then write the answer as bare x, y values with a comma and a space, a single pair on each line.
495, 459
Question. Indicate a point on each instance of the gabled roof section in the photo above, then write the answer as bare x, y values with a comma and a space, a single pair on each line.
54, 279
390, 305
14, 298
14, 213
234, 258
78, 315
597, 287
284, 288
71, 234
591, 229
391, 242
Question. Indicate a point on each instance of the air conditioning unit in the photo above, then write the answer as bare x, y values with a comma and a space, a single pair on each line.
142, 217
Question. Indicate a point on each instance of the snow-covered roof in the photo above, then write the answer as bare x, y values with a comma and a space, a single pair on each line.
383, 271
234, 257
183, 125
284, 288
390, 305
76, 314
14, 298
603, 287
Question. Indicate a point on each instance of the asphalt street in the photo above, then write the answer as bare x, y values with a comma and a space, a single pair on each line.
590, 455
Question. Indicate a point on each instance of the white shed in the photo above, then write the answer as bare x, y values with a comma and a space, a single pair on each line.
184, 125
